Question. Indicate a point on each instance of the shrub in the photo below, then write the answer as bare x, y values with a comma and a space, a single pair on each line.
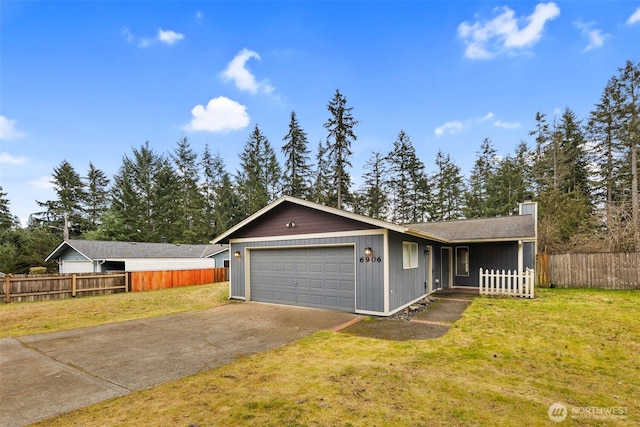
37, 270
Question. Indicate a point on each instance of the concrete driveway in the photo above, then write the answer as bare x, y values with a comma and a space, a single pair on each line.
48, 374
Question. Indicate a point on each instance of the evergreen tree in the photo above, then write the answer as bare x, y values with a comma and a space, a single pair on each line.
573, 174
602, 128
135, 196
222, 203
259, 176
509, 183
629, 117
228, 206
191, 202
406, 174
321, 190
373, 199
96, 202
68, 207
447, 190
297, 172
7, 220
477, 200
340, 127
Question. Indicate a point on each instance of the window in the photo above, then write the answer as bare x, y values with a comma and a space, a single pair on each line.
409, 255
462, 261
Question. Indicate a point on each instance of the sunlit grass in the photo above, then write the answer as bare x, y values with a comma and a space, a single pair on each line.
26, 318
503, 364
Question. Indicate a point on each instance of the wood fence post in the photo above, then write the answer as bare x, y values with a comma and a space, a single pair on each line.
7, 288
73, 286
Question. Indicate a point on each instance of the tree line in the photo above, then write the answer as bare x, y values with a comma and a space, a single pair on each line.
582, 172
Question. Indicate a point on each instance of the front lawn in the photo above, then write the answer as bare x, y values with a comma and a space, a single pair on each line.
26, 318
503, 364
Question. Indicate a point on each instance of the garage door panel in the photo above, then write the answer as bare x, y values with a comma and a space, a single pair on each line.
314, 277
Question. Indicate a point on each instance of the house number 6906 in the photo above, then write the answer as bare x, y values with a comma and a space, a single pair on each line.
370, 259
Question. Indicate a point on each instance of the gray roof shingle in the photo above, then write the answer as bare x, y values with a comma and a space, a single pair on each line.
97, 249
500, 228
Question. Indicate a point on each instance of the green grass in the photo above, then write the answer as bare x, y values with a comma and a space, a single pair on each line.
503, 364
26, 318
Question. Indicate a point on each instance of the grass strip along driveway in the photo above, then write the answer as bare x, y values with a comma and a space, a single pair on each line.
506, 362
28, 318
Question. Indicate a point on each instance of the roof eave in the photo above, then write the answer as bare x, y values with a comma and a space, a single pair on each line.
58, 251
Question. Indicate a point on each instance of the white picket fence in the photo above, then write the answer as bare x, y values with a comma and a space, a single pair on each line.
509, 283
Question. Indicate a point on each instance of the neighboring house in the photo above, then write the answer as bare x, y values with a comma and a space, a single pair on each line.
301, 253
94, 256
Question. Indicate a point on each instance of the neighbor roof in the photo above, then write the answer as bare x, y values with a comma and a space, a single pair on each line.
98, 249
502, 228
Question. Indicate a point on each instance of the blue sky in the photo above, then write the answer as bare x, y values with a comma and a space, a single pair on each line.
86, 81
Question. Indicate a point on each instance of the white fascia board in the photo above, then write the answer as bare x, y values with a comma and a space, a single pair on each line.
60, 246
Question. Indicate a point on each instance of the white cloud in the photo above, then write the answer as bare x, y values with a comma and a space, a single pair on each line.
44, 182
220, 115
450, 128
485, 40
11, 160
169, 37
489, 116
199, 16
506, 125
128, 35
595, 36
634, 18
237, 72
8, 129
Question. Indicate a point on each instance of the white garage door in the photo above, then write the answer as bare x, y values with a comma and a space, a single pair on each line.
311, 277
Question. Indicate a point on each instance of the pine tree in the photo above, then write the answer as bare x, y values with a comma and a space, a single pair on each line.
297, 172
135, 194
373, 199
68, 206
406, 173
96, 202
259, 176
629, 116
7, 220
191, 202
447, 190
509, 183
322, 190
477, 194
340, 126
602, 128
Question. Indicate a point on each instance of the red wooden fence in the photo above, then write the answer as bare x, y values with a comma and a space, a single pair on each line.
150, 280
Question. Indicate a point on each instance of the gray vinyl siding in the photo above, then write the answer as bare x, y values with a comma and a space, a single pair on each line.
492, 256
71, 255
220, 258
369, 276
407, 285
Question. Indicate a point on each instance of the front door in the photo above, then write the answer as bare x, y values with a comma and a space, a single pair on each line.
446, 269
